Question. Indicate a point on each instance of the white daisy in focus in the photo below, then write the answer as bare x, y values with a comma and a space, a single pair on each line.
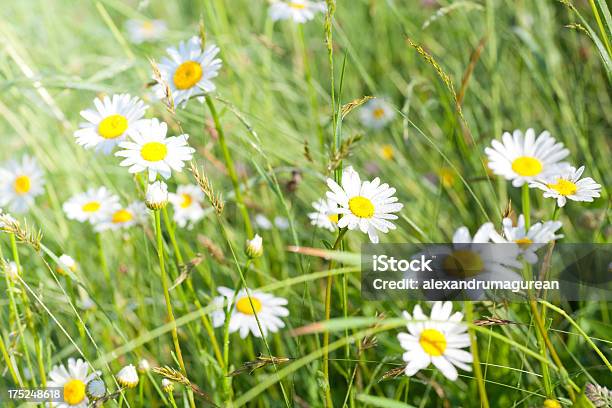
123, 218
376, 113
189, 70
140, 31
92, 206
269, 310
567, 185
72, 381
150, 150
187, 204
524, 158
325, 214
110, 122
367, 206
20, 183
300, 11
528, 241
263, 222
438, 340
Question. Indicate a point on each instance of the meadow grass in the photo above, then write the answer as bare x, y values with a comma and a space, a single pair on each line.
280, 122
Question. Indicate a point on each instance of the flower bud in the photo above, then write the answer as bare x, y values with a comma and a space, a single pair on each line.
12, 271
157, 195
96, 389
128, 377
254, 247
143, 365
167, 385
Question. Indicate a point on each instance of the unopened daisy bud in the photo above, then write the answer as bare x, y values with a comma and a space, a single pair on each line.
167, 385
128, 377
254, 247
12, 271
157, 195
143, 365
96, 389
66, 261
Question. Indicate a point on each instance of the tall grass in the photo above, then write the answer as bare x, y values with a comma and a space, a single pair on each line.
277, 111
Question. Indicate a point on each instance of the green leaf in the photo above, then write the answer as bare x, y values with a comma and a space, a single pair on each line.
382, 402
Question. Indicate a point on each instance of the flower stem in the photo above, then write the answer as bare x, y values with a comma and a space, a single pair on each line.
328, 296
179, 259
230, 168
556, 211
102, 257
164, 279
526, 206
482, 391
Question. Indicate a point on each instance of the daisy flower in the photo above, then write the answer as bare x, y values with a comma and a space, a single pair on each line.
189, 70
110, 122
568, 185
140, 31
20, 183
263, 222
66, 262
151, 150
300, 11
73, 381
376, 113
282, 223
269, 310
187, 204
528, 241
92, 206
325, 214
523, 158
472, 258
439, 339
122, 218
367, 206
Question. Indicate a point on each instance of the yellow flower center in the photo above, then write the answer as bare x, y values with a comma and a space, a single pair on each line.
297, 6
527, 166
433, 342
147, 26
378, 113
463, 263
243, 305
22, 185
564, 187
333, 218
361, 207
153, 151
447, 177
387, 152
523, 242
187, 75
122, 216
74, 392
187, 200
91, 207
112, 126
